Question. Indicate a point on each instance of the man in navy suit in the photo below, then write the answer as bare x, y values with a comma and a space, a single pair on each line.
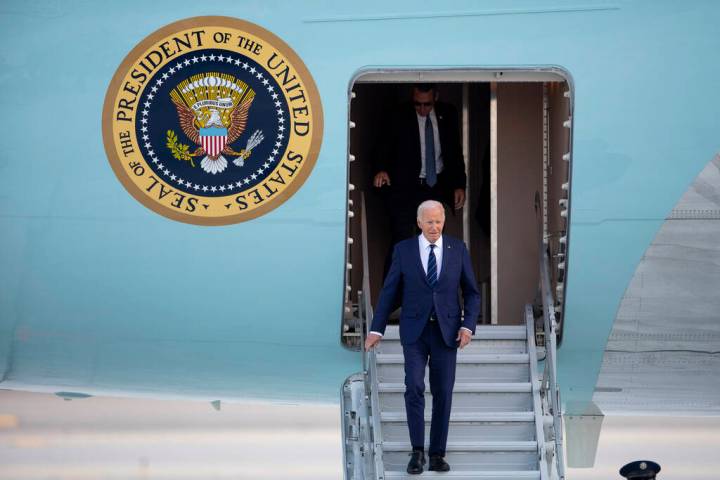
420, 158
429, 271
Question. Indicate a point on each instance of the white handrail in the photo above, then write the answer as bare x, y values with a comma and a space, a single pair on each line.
550, 388
369, 358
536, 393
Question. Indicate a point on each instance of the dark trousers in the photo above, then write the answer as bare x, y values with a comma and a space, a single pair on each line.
442, 361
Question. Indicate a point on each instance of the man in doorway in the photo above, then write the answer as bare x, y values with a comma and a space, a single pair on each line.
420, 158
428, 271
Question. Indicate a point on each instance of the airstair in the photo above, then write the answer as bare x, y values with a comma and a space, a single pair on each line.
505, 422
492, 427
501, 427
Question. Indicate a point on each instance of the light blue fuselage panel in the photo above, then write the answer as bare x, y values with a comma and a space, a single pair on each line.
100, 294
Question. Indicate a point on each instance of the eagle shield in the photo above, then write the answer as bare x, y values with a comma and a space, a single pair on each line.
213, 140
213, 112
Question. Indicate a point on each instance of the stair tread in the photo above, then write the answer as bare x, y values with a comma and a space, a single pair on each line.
520, 358
465, 387
471, 474
470, 446
482, 332
467, 417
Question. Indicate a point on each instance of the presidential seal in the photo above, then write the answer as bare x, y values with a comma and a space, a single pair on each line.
212, 121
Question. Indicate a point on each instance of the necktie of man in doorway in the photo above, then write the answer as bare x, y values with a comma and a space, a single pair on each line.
430, 173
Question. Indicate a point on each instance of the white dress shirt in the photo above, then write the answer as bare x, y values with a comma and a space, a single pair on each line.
436, 139
424, 246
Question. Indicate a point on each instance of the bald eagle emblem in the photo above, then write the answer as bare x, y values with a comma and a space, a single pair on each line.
213, 113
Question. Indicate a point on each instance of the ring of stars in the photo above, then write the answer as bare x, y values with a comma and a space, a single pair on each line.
177, 67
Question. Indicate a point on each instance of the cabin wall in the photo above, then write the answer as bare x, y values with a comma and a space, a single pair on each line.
519, 178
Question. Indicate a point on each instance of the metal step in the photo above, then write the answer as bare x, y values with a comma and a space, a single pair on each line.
466, 417
468, 475
493, 358
468, 431
471, 461
476, 346
473, 368
464, 400
497, 387
482, 332
455, 446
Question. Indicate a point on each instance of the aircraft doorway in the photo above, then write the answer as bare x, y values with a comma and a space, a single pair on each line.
515, 143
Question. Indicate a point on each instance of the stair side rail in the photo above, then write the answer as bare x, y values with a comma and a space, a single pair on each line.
550, 390
542, 451
370, 358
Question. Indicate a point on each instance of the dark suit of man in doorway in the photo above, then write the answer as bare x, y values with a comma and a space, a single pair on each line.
429, 271
420, 158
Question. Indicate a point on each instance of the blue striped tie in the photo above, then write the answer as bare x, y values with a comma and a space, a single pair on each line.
432, 267
430, 169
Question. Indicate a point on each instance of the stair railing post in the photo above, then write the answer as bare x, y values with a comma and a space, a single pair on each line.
551, 390
536, 384
369, 358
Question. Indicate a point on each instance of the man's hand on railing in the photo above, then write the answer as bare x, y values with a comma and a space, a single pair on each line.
372, 340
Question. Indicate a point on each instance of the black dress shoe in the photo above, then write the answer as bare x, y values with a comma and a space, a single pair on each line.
417, 460
438, 464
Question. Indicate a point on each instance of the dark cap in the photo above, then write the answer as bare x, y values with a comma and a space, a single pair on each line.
640, 470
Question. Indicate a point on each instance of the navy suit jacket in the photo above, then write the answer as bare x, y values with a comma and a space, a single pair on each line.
407, 277
399, 153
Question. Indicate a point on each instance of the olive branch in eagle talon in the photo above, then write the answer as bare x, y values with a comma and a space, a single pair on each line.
238, 122
179, 150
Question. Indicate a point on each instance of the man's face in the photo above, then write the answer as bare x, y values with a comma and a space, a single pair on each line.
431, 223
424, 101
